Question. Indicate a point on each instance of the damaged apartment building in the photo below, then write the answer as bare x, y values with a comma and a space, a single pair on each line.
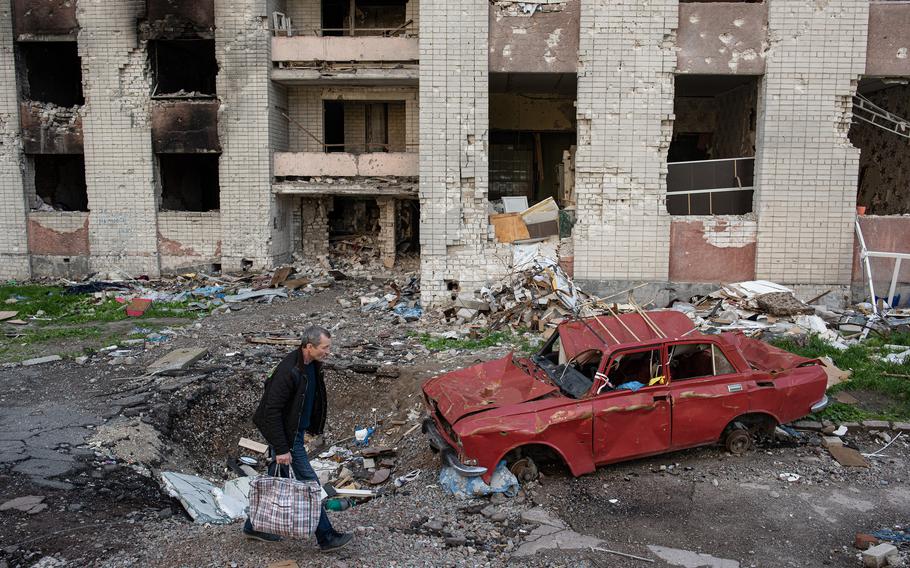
684, 143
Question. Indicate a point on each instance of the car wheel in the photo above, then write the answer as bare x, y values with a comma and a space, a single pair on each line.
738, 441
525, 470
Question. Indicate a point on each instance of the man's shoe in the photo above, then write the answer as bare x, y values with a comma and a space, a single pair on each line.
253, 534
335, 541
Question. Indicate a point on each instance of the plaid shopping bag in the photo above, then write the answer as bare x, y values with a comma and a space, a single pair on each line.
284, 505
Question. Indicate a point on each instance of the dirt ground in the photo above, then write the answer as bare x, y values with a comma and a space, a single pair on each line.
91, 439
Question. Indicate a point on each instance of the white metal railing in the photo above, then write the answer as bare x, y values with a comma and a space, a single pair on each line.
866, 254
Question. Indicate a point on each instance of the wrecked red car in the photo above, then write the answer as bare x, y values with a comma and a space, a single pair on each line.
607, 389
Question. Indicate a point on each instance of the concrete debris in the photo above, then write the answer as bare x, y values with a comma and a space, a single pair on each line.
41, 360
881, 555
690, 559
29, 504
177, 359
197, 496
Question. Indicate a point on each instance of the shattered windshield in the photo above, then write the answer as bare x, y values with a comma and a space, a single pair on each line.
567, 373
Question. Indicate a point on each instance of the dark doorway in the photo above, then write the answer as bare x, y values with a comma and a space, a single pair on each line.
189, 182
333, 126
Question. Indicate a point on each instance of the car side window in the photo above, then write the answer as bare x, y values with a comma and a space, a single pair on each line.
632, 371
695, 360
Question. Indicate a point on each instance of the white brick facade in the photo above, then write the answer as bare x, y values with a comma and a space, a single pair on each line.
806, 169
14, 262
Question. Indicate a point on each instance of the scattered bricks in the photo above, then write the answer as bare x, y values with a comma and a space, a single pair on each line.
829, 441
466, 313
880, 555
807, 425
863, 541
880, 424
901, 426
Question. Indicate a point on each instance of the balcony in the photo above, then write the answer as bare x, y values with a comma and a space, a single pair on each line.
710, 187
345, 60
305, 173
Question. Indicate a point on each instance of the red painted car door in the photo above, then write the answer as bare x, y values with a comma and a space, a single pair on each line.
706, 390
631, 423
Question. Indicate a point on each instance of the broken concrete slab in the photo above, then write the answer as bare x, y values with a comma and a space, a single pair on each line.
690, 559
880, 424
197, 496
24, 504
274, 292
540, 516
234, 498
177, 359
41, 360
546, 537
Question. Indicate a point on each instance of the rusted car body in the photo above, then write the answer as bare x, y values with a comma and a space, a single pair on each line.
608, 389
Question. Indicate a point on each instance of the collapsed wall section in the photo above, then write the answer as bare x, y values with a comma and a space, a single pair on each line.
625, 112
116, 84
250, 216
454, 137
805, 167
14, 262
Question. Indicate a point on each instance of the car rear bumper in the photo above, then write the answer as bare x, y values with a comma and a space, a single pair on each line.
820, 405
448, 453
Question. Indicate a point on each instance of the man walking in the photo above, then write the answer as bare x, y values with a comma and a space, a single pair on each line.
294, 402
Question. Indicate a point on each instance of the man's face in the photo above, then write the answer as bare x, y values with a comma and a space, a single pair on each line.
321, 351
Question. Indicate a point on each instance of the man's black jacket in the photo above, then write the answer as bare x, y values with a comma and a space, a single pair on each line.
282, 402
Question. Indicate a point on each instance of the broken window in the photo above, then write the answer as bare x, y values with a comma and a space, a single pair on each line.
632, 371
694, 360
50, 72
532, 135
880, 108
189, 182
184, 67
364, 126
711, 155
370, 17
59, 182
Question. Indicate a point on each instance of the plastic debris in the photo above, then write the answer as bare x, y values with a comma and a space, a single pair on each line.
503, 481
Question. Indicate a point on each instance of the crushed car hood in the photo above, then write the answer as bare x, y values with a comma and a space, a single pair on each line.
483, 387
765, 357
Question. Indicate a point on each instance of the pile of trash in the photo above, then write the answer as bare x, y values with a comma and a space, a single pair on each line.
537, 293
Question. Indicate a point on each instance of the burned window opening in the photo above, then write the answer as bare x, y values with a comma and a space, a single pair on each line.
884, 161
189, 182
59, 182
711, 155
333, 126
50, 72
179, 19
371, 17
183, 67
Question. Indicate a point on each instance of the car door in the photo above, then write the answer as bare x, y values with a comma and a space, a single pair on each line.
706, 391
631, 423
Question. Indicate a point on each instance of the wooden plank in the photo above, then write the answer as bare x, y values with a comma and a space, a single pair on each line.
177, 359
253, 445
509, 227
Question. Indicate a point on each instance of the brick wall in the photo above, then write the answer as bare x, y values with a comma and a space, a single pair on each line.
306, 16
454, 135
14, 261
121, 192
189, 238
253, 224
305, 108
806, 169
625, 109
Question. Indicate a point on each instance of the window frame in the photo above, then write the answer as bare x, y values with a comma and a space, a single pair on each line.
701, 341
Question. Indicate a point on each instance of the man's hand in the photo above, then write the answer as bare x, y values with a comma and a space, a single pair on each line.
283, 459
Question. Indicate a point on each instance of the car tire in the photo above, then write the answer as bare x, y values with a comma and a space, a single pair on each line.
738, 441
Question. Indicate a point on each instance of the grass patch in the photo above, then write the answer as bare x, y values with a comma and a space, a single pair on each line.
518, 341
54, 316
869, 373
